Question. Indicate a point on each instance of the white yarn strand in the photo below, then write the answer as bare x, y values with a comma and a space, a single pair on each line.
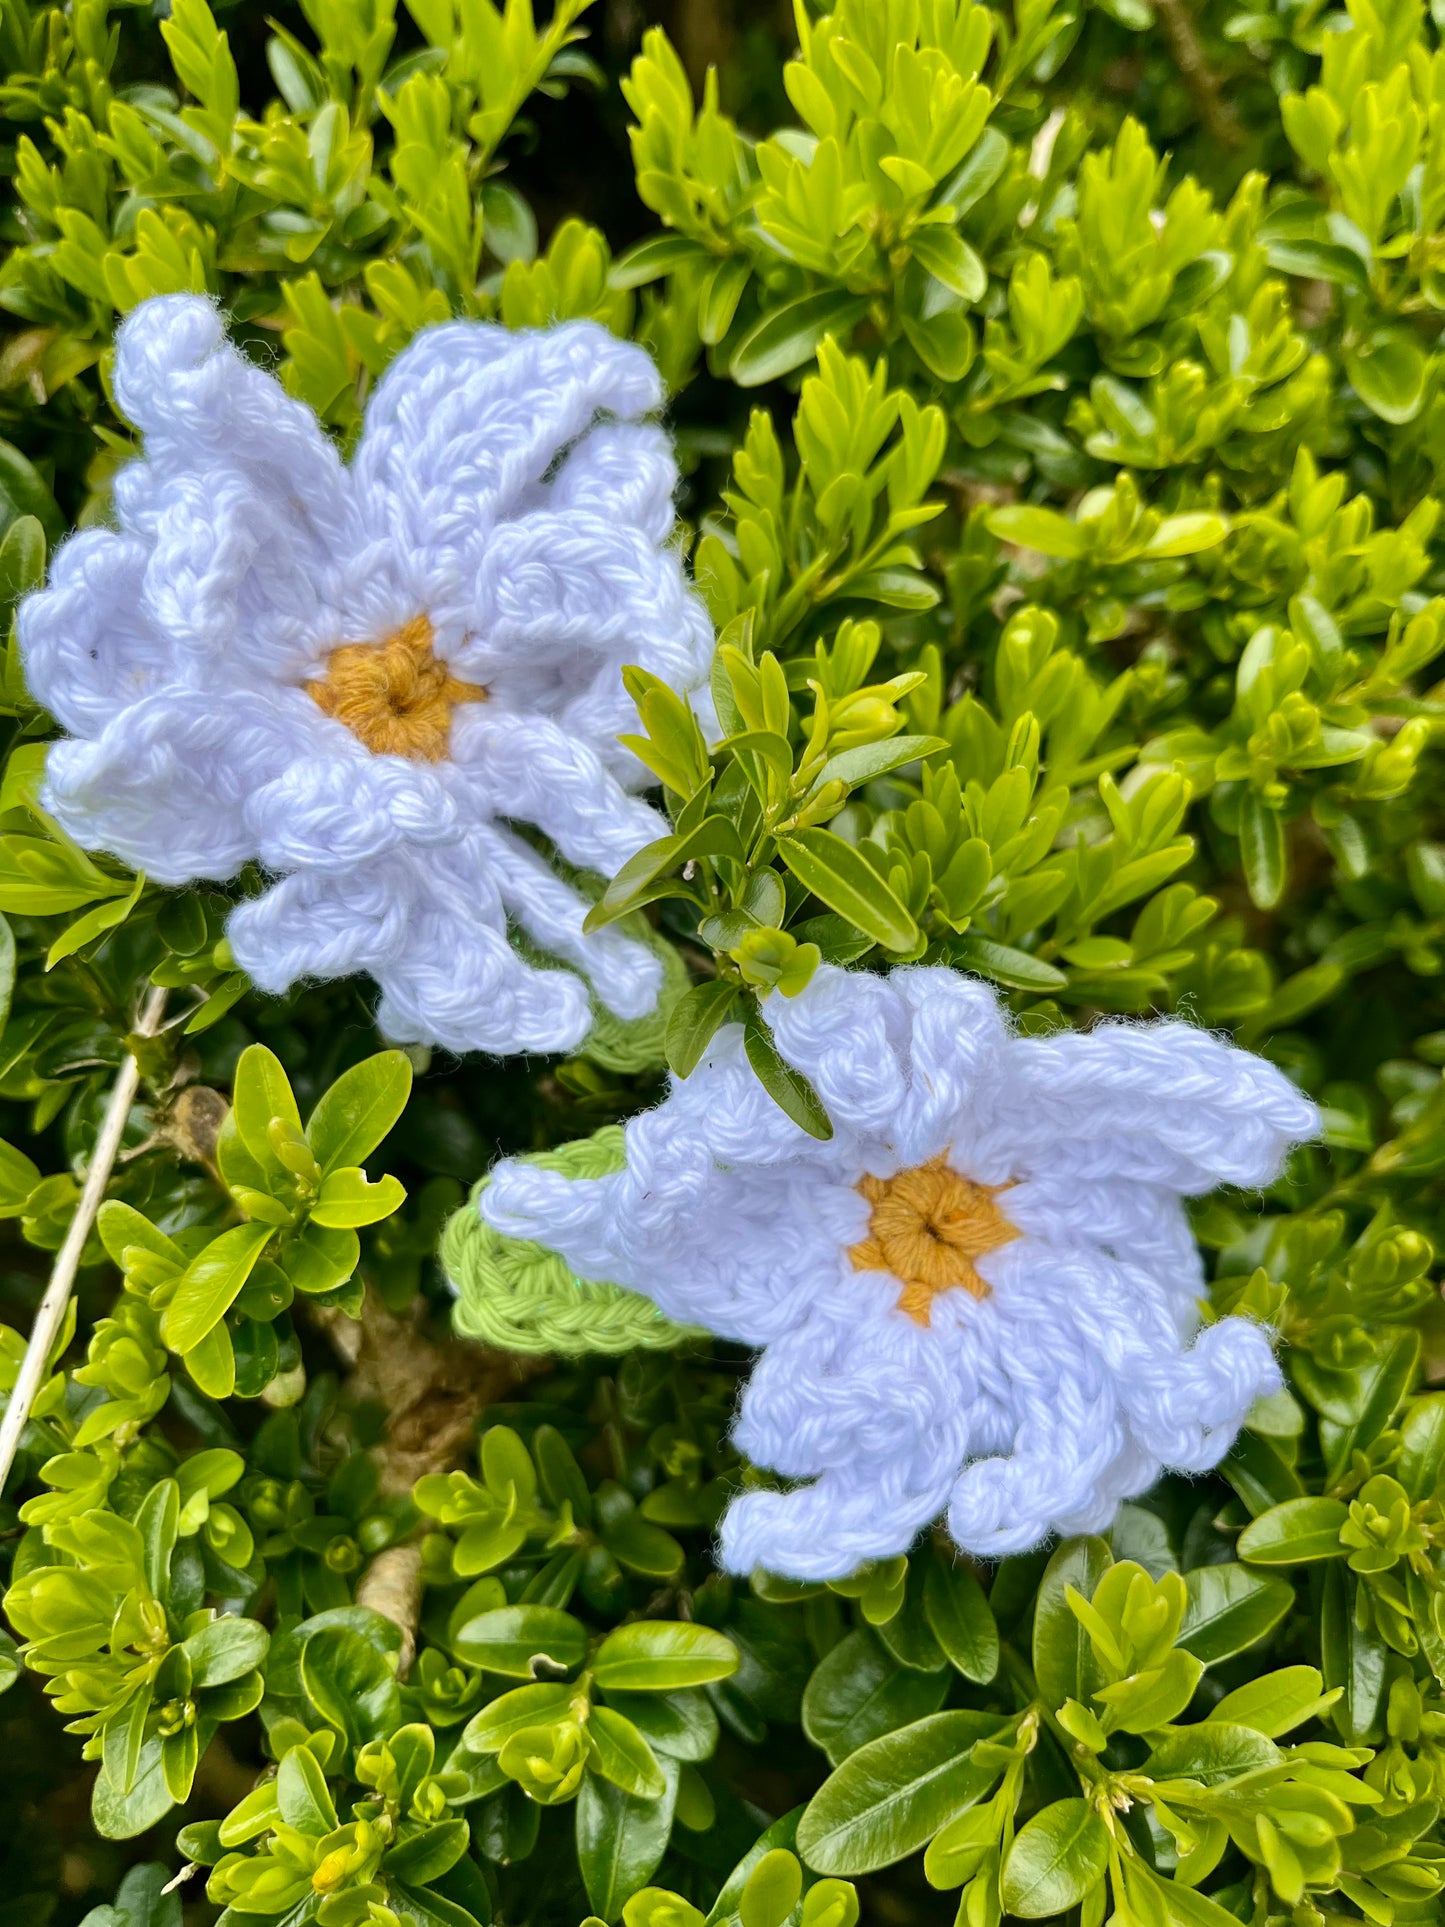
1078, 1375
505, 490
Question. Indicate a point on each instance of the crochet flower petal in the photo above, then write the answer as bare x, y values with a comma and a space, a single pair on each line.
1163, 1102
895, 1059
742, 1253
165, 785
1088, 1384
330, 813
266, 663
528, 768
191, 393
87, 641
957, 1308
447, 973
223, 575
568, 601
1140, 1224
241, 496
626, 975
461, 433
623, 472
243, 592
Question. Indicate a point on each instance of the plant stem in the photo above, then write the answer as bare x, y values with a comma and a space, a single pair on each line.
1215, 111
51, 1315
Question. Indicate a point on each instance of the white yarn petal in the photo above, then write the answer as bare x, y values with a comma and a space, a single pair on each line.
571, 599
263, 663
626, 975
529, 768
462, 430
1030, 1395
164, 786
334, 813
205, 409
1163, 1102
87, 642
624, 472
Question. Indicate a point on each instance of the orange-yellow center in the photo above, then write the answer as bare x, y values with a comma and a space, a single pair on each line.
395, 695
927, 1228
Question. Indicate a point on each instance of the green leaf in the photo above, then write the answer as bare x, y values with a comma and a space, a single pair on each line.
1153, 1697
1387, 372
22, 562
1061, 1855
1275, 1704
789, 1089
261, 1092
891, 1796
1211, 1753
348, 1199
514, 1712
622, 1755
858, 1692
302, 1795
225, 1649
508, 1640
846, 882
1354, 1658
1229, 1608
682, 1725
950, 260
1043, 530
95, 923
1295, 1532
359, 1110
773, 1890
348, 1681
786, 337
1262, 851
428, 1854
694, 1022
961, 1620
661, 1655
621, 1839
121, 1816
1064, 1663
210, 1284
869, 760
1015, 969
649, 260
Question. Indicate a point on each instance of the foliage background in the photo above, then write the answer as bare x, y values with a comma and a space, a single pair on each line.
1140, 497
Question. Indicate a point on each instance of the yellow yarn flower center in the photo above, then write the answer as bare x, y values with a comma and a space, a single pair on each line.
394, 694
927, 1228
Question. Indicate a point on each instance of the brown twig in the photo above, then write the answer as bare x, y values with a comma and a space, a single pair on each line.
432, 1395
1215, 112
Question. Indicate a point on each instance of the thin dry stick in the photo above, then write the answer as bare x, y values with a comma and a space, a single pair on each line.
51, 1314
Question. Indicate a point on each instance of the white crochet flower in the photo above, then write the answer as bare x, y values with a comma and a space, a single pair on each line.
359, 677
979, 1297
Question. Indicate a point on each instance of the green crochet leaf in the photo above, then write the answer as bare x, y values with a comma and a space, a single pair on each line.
520, 1297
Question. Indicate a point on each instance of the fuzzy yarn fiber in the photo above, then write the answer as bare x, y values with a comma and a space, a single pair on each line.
360, 677
1035, 1355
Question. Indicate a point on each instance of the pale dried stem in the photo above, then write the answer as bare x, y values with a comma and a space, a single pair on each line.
51, 1315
